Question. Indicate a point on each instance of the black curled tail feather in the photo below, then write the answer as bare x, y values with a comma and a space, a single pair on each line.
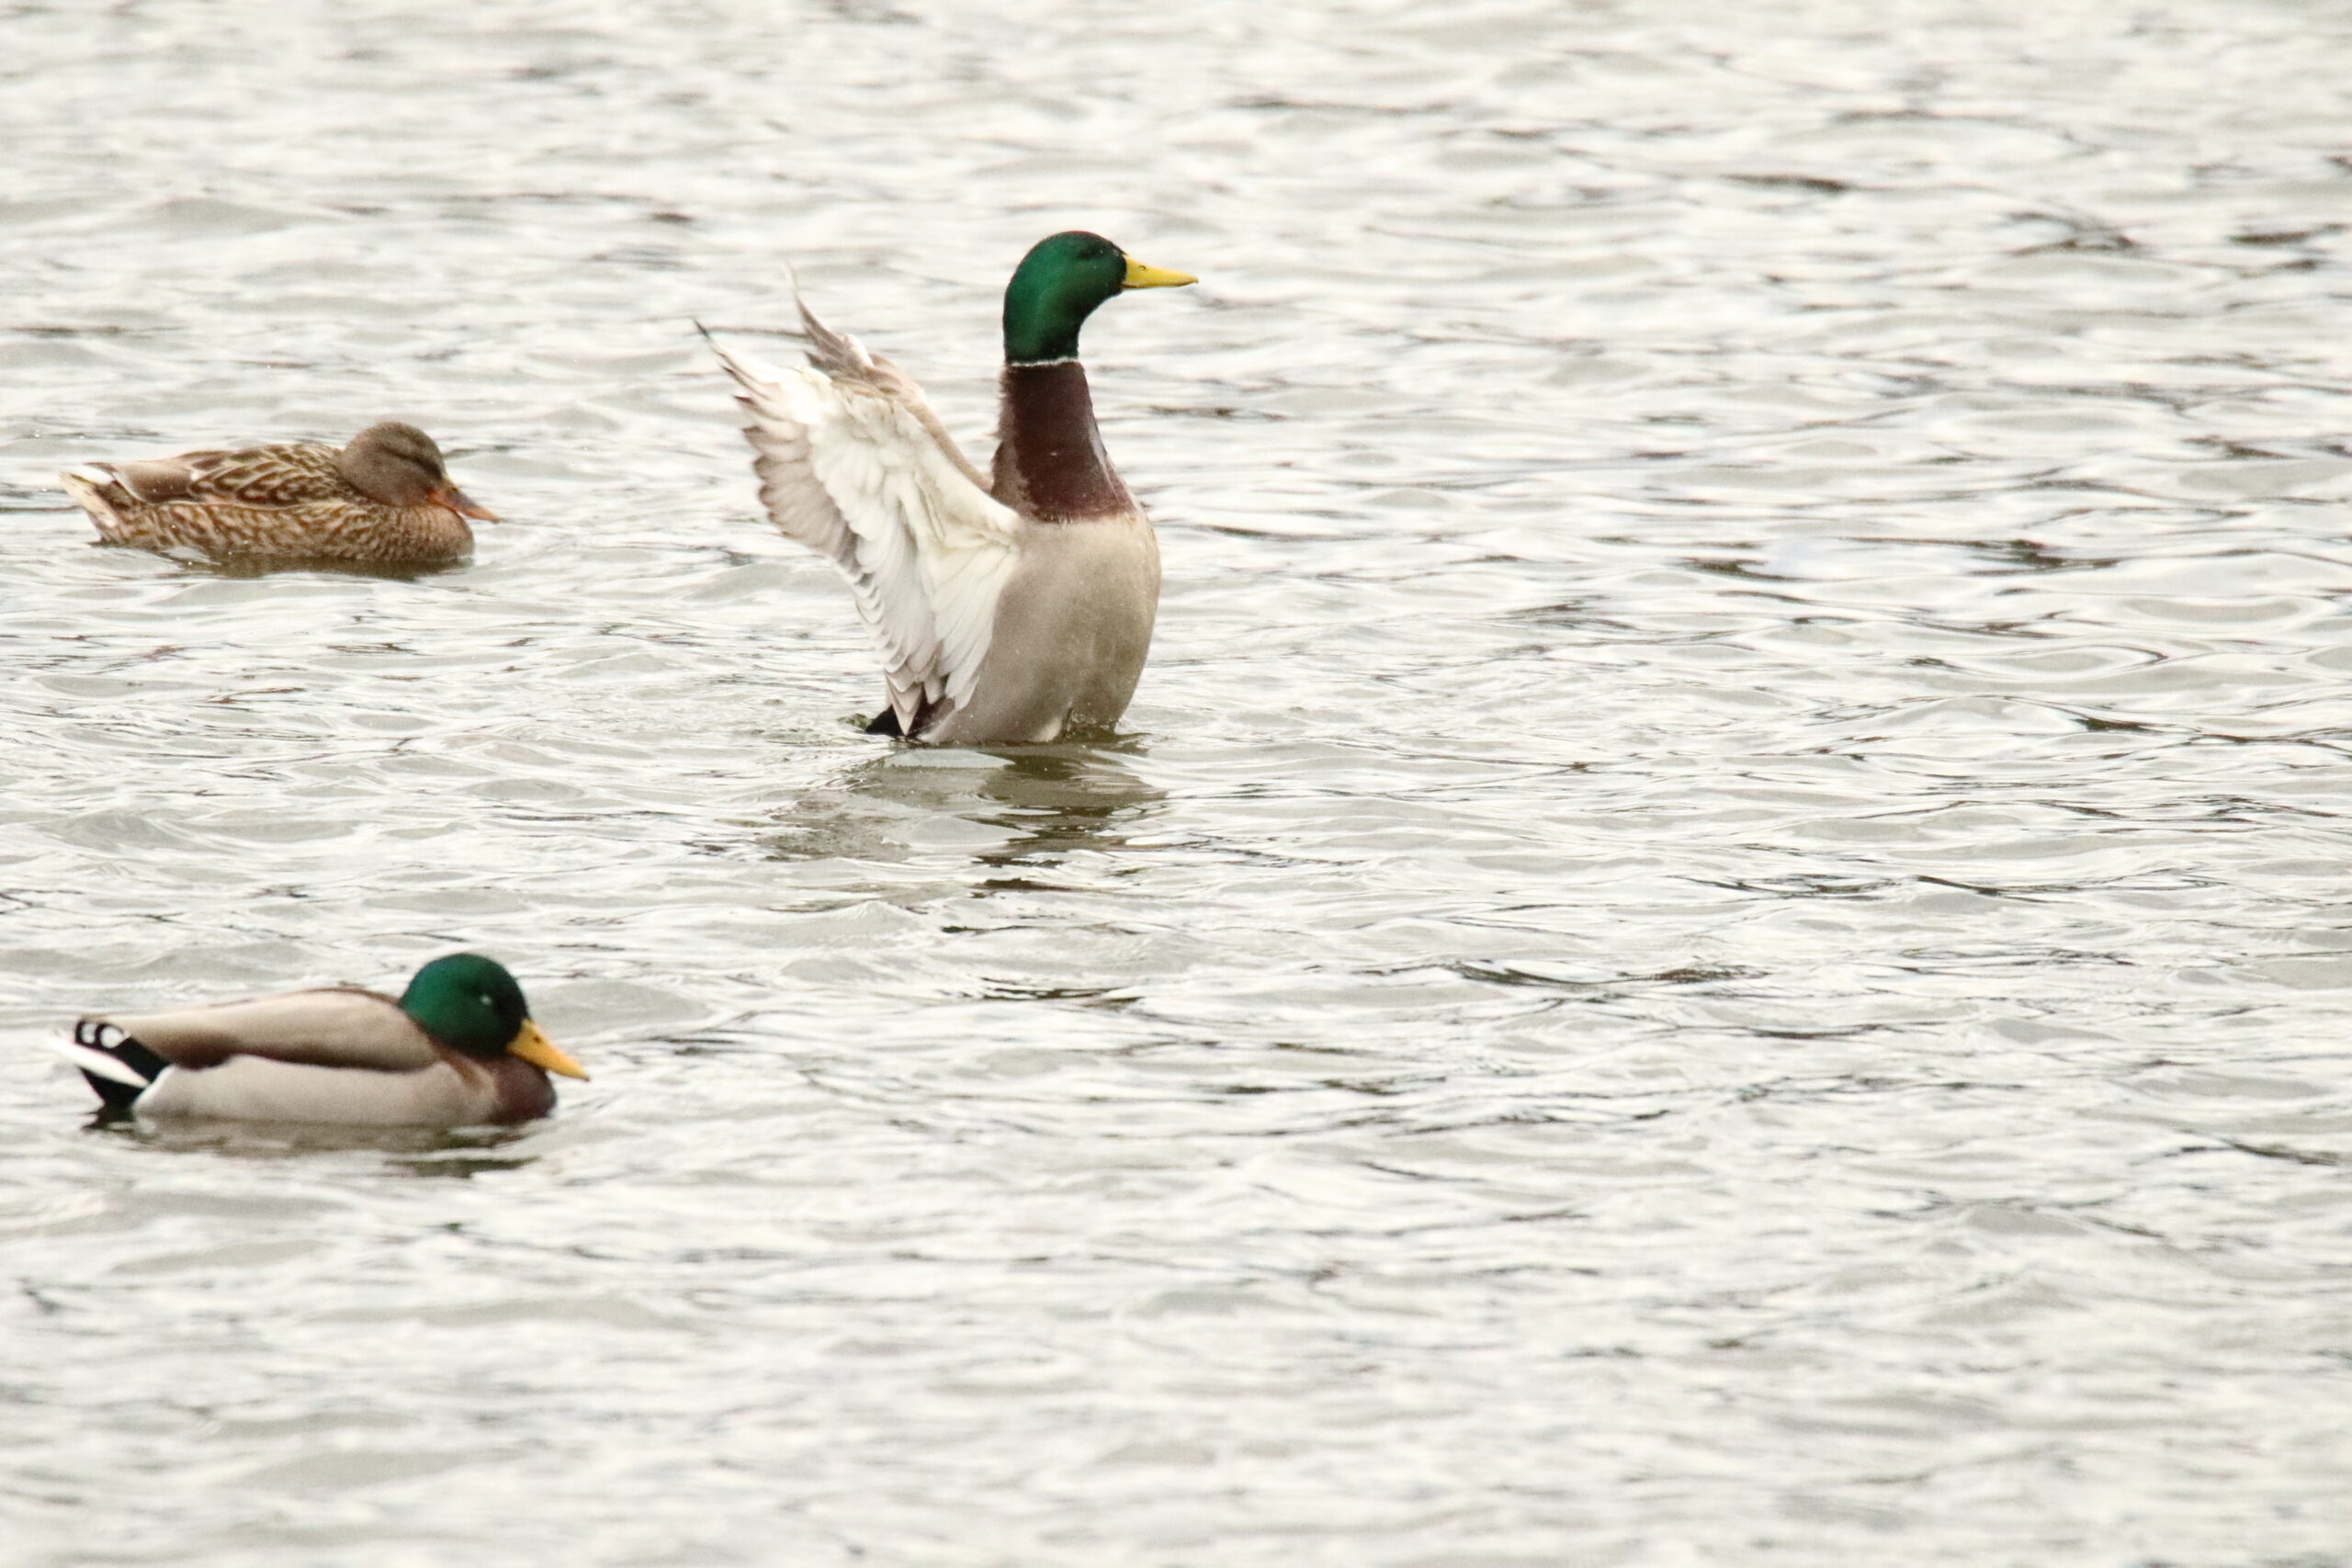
93, 1034
927, 712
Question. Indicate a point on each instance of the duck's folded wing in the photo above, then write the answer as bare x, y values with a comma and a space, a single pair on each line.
288, 475
339, 1028
852, 463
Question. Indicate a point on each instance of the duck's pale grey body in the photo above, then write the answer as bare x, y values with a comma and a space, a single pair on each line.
450, 1094
341, 1054
1073, 626
1007, 611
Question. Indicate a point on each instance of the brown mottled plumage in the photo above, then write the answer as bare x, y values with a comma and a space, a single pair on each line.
384, 500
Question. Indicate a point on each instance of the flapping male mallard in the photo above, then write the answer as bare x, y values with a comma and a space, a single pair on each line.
383, 500
457, 1049
1007, 611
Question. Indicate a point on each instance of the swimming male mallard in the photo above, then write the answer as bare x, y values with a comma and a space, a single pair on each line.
1007, 611
458, 1049
383, 500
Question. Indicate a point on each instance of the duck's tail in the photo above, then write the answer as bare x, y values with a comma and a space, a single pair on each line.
97, 489
119, 1067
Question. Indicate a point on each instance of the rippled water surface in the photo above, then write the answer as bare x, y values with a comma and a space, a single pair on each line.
1720, 938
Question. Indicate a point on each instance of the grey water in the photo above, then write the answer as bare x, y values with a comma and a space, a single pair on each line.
1719, 936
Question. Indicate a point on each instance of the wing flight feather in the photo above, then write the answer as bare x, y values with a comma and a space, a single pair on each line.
333, 1028
285, 475
852, 463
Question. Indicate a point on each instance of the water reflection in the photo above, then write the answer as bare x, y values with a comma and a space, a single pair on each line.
1067, 799
459, 1152
1011, 806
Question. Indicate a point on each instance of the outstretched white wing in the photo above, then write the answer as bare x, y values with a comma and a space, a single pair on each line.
852, 463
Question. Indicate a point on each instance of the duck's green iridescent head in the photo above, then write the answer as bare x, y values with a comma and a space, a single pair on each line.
1057, 286
472, 1004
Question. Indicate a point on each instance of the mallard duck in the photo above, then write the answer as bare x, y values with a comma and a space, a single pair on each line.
1007, 610
384, 500
458, 1049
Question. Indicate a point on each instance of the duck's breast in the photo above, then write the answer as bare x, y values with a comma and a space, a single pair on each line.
1072, 628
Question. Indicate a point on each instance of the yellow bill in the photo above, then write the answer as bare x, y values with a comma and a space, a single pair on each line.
542, 1053
1142, 276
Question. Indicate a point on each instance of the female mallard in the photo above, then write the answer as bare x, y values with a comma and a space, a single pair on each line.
384, 500
458, 1049
1006, 611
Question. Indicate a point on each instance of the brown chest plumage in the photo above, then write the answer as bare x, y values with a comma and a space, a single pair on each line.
1049, 459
